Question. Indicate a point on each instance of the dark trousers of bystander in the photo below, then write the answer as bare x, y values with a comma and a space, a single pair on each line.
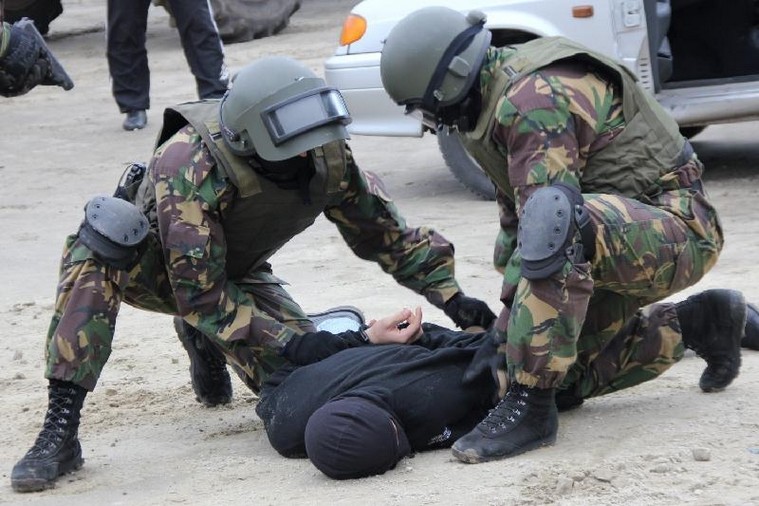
128, 58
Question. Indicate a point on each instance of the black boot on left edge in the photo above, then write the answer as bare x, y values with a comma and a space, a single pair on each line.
713, 323
56, 450
525, 419
751, 336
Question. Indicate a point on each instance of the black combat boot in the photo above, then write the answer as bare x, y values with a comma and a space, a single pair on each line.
567, 400
712, 323
56, 450
751, 337
525, 419
208, 367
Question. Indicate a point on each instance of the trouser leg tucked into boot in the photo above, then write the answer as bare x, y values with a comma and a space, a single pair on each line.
525, 419
208, 367
56, 450
713, 323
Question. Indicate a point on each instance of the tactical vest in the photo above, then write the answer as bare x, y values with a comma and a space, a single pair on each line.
262, 217
649, 145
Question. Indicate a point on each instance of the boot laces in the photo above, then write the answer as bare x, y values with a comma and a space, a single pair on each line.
507, 411
55, 425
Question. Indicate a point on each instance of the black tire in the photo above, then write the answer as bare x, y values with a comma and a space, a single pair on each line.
244, 20
691, 131
463, 166
42, 12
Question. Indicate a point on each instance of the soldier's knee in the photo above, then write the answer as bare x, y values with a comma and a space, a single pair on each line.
548, 231
113, 229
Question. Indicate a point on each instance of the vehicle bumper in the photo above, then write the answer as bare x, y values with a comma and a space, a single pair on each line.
372, 110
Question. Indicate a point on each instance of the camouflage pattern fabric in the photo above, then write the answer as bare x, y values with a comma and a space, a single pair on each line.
5, 35
582, 326
616, 351
181, 268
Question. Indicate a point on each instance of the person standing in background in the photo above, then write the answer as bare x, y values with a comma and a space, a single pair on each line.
128, 59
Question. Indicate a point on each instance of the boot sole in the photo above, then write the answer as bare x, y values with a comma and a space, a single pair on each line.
39, 483
471, 457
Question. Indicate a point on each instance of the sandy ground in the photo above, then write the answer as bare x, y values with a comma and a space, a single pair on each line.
146, 441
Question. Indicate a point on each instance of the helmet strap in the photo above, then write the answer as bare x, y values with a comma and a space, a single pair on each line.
456, 47
463, 115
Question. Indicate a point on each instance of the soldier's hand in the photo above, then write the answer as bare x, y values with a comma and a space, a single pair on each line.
468, 312
28, 63
23, 66
490, 358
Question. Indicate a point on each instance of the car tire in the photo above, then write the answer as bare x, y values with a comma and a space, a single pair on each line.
463, 166
244, 20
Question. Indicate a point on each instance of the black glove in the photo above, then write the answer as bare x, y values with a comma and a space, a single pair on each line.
312, 347
468, 312
490, 357
28, 63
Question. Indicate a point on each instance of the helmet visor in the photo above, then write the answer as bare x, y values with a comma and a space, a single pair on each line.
303, 112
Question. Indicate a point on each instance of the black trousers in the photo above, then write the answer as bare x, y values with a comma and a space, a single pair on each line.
128, 57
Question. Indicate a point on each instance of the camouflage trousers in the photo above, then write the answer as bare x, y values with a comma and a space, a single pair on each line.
593, 326
89, 296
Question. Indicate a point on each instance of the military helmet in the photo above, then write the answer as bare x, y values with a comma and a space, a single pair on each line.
278, 108
432, 57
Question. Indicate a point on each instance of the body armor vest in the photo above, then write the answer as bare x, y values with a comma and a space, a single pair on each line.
263, 217
649, 146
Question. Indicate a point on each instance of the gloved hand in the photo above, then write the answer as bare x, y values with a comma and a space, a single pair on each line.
27, 62
489, 357
22, 68
312, 347
468, 312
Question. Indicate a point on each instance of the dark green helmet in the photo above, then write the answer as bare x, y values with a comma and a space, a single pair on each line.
433, 56
278, 108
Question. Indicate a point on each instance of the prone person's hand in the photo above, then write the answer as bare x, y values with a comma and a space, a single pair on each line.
403, 327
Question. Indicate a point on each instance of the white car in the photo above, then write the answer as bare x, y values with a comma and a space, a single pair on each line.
699, 57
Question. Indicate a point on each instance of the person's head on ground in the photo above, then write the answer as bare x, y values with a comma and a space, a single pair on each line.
353, 437
431, 61
277, 108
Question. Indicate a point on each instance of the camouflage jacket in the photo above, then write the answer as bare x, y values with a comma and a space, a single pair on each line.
191, 197
548, 124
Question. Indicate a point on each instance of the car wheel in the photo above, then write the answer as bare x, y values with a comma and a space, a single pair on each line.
463, 166
244, 20
691, 131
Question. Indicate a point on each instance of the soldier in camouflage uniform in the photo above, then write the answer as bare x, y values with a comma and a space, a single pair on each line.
231, 181
602, 213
